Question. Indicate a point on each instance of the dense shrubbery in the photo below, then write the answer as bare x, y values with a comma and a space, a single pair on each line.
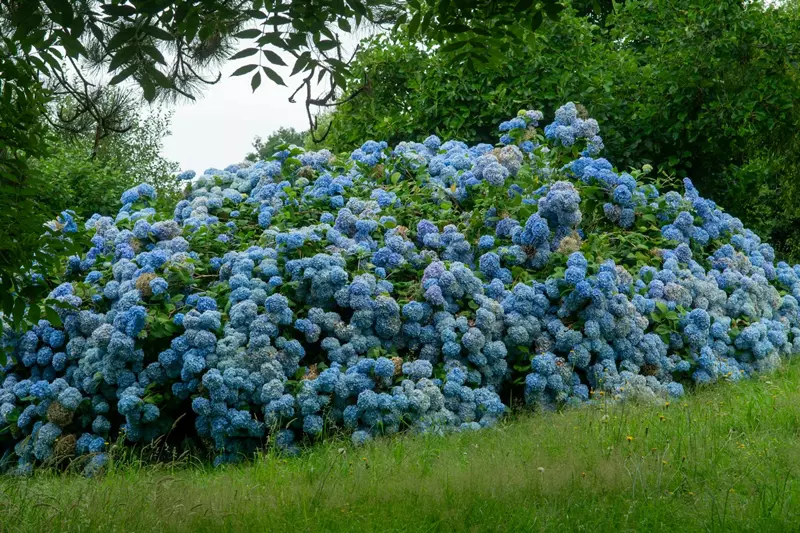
89, 177
421, 287
80, 164
702, 89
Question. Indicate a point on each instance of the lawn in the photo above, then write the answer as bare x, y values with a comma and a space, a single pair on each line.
726, 458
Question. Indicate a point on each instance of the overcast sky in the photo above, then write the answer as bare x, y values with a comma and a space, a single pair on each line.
218, 129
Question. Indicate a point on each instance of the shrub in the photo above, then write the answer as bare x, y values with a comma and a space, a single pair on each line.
89, 178
414, 288
696, 89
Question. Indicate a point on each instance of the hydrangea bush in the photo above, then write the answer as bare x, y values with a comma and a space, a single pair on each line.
425, 287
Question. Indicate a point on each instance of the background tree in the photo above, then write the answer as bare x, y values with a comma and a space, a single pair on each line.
266, 148
705, 89
87, 169
172, 48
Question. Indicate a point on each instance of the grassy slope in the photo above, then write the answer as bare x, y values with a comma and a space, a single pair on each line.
724, 459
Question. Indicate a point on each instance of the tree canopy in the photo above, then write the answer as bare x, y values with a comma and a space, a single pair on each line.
703, 89
265, 148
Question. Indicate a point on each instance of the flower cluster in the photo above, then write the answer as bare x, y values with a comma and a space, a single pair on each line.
415, 288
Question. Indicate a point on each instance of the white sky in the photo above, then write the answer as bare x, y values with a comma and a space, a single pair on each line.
219, 127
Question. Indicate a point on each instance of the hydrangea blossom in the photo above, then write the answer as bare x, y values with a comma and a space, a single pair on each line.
287, 298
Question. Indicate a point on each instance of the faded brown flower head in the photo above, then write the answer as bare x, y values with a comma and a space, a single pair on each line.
649, 370
398, 365
312, 372
143, 283
59, 415
306, 172
65, 447
569, 244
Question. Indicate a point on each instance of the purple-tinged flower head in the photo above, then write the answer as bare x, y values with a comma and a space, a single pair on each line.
417, 369
534, 116
495, 174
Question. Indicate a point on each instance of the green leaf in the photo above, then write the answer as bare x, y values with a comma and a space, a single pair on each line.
324, 46
426, 21
159, 33
663, 329
34, 314
155, 53
536, 21
256, 14
123, 75
274, 58
451, 47
400, 21
413, 26
191, 25
273, 38
339, 79
8, 303
553, 10
255, 81
120, 57
116, 10
122, 38
19, 310
248, 34
271, 74
301, 62
52, 316
148, 89
456, 28
161, 78
277, 20
244, 70
247, 52
358, 7
344, 25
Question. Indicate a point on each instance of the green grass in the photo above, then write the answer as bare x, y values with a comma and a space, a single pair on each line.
724, 459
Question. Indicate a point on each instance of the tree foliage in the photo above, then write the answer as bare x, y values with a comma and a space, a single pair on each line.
266, 148
172, 48
707, 89
89, 177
